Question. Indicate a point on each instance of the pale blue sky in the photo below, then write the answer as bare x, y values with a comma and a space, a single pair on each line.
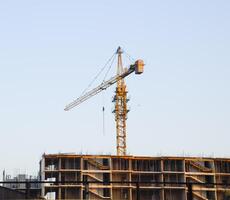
51, 50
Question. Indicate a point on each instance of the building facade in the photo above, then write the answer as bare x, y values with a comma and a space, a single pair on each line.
21, 184
116, 177
15, 182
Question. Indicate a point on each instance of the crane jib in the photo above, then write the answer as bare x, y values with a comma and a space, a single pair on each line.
105, 85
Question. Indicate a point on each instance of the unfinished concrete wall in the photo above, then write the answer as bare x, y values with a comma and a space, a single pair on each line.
131, 169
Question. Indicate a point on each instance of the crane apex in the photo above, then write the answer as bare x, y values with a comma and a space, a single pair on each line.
119, 50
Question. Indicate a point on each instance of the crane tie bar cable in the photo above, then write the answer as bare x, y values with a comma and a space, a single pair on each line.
98, 74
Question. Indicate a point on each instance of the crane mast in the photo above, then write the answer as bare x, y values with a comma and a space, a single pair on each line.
120, 98
120, 110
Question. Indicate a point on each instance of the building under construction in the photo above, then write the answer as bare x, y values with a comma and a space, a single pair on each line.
71, 176
115, 177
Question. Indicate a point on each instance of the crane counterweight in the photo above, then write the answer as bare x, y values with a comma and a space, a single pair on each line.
139, 66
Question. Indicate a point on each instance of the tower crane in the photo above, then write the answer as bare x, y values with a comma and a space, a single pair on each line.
120, 98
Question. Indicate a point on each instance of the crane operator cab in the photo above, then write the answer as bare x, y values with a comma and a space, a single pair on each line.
139, 66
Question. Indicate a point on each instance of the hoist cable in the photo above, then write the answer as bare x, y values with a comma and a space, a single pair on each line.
103, 118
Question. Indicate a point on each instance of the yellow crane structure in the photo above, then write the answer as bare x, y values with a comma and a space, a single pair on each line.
120, 98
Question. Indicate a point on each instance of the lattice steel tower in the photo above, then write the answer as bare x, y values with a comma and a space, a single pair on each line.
120, 99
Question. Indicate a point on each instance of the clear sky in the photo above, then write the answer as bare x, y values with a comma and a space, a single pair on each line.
51, 50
